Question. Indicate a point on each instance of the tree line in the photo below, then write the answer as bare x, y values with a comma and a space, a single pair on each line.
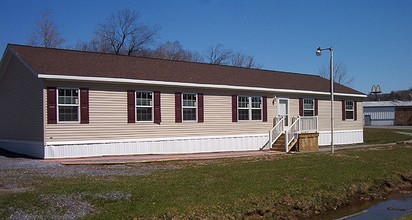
121, 33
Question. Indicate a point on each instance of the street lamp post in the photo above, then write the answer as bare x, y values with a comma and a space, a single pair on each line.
332, 98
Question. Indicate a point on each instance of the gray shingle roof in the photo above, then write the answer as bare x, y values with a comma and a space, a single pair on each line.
91, 64
387, 104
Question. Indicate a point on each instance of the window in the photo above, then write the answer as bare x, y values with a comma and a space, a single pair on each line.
144, 106
243, 108
250, 108
256, 108
349, 110
68, 105
308, 107
189, 107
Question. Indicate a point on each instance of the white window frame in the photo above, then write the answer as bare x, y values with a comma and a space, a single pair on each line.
243, 108
312, 109
254, 108
143, 106
350, 110
250, 108
68, 105
191, 107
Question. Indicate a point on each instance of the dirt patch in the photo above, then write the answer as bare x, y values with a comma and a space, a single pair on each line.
73, 206
14, 188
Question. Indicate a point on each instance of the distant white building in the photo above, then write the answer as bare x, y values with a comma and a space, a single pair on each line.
384, 113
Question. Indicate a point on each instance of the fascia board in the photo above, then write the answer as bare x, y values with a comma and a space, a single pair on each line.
183, 84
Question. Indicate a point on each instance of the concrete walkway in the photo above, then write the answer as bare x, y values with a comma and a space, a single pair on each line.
160, 157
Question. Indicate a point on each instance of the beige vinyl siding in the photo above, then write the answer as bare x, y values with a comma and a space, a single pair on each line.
349, 124
21, 101
108, 116
293, 108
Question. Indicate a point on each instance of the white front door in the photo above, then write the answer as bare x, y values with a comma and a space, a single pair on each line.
283, 110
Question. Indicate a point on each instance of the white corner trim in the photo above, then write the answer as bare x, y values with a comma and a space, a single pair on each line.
183, 84
53, 143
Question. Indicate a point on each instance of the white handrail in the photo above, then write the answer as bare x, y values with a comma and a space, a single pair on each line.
301, 124
276, 131
290, 132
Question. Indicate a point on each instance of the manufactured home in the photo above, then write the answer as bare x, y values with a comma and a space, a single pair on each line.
58, 103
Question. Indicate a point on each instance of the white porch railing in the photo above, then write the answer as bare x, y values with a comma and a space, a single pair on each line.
276, 131
291, 132
308, 124
301, 124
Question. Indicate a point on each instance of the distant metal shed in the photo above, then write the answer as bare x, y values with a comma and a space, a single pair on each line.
386, 113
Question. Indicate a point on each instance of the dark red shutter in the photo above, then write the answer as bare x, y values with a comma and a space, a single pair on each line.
131, 107
234, 108
51, 106
200, 112
265, 109
178, 107
343, 111
301, 107
316, 107
355, 111
157, 113
84, 106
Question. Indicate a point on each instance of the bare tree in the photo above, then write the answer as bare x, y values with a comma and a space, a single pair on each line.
173, 50
340, 73
46, 33
243, 60
217, 54
94, 45
122, 34
194, 56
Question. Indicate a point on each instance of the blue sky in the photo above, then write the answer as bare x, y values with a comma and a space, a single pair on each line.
373, 38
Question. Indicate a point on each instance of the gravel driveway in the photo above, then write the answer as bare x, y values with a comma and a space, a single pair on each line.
18, 171
19, 174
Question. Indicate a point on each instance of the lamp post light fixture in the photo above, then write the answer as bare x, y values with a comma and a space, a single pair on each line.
332, 98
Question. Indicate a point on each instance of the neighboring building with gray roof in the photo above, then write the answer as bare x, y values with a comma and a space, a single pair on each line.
387, 113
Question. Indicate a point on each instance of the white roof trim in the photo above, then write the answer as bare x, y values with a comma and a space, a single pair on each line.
183, 84
352, 95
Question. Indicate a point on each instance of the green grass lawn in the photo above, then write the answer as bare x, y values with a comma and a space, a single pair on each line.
379, 135
296, 185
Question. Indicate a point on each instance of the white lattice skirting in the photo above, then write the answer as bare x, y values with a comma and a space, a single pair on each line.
73, 149
341, 137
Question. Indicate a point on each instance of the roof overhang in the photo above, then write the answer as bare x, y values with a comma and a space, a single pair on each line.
185, 84
5, 60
